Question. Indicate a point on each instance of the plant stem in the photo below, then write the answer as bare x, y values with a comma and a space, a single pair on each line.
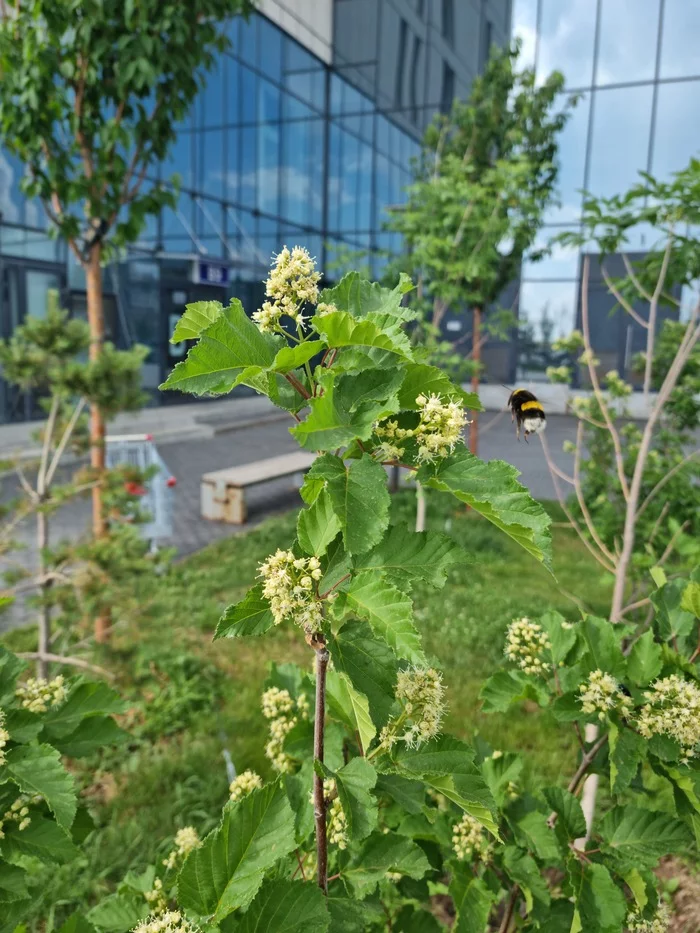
510, 910
322, 658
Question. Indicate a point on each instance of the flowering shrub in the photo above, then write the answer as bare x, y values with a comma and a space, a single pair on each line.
372, 808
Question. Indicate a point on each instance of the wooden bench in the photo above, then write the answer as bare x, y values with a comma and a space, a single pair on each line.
223, 491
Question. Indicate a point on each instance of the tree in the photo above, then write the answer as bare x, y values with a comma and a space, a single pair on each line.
486, 174
91, 94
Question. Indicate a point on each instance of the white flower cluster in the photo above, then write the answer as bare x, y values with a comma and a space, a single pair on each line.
439, 428
292, 283
279, 707
526, 643
172, 921
337, 825
323, 308
4, 737
659, 923
469, 840
243, 784
601, 693
37, 694
421, 693
186, 840
155, 898
673, 708
288, 583
19, 812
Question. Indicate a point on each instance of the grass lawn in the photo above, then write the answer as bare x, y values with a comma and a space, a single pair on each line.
191, 698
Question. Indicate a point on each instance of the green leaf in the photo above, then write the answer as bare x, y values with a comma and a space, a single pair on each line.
602, 639
283, 907
601, 904
671, 620
227, 871
493, 490
22, 725
341, 329
474, 908
10, 668
504, 688
361, 297
93, 733
297, 787
690, 600
500, 773
354, 783
645, 660
389, 612
332, 422
351, 707
13, 884
118, 913
359, 498
42, 838
317, 525
523, 869
570, 816
250, 616
84, 700
383, 852
197, 317
562, 636
370, 665
351, 916
639, 838
627, 751
421, 379
37, 769
530, 828
408, 794
76, 923
405, 557
658, 575
289, 358
229, 345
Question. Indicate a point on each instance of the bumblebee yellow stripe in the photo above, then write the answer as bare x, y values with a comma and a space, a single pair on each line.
527, 406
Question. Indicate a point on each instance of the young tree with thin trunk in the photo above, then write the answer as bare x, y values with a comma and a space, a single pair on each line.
91, 95
485, 177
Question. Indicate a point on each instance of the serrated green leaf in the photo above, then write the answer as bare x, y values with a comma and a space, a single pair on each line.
354, 782
523, 869
383, 852
404, 557
84, 700
567, 708
493, 490
10, 668
93, 733
370, 665
13, 884
227, 871
317, 525
289, 358
671, 622
600, 903
690, 599
639, 838
42, 838
422, 379
352, 916
408, 794
658, 575
76, 923
504, 688
474, 908
341, 329
331, 423
530, 828
297, 787
22, 725
351, 707
361, 297
198, 315
500, 773
118, 913
228, 346
602, 640
627, 752
250, 616
645, 660
389, 612
562, 635
283, 907
570, 816
37, 769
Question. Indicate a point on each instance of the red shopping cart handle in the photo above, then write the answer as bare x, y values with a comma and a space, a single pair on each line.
171, 481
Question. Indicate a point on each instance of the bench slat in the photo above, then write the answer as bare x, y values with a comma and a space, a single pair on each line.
251, 473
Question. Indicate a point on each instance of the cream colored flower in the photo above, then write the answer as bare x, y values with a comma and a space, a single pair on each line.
289, 585
243, 784
440, 427
186, 840
601, 693
292, 283
673, 708
659, 923
4, 737
421, 693
283, 713
527, 644
469, 840
37, 694
337, 825
172, 921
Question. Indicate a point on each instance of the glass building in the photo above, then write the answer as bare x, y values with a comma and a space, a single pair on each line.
636, 64
304, 134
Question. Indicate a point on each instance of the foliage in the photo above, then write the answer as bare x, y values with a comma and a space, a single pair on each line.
43, 821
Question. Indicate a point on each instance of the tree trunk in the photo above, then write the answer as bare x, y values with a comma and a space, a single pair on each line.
420, 507
96, 322
476, 376
44, 646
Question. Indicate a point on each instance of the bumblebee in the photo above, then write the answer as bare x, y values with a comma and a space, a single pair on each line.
527, 412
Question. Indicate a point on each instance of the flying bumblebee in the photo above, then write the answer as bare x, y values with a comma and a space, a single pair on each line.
527, 412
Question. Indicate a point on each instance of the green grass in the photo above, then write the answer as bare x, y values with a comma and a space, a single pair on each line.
190, 697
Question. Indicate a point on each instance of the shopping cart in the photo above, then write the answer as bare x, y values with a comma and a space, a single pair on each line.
140, 451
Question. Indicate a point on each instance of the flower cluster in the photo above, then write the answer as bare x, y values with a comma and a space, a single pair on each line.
601, 693
282, 712
559, 374
439, 428
526, 644
37, 694
4, 737
292, 283
172, 921
569, 344
156, 899
186, 841
616, 385
323, 308
469, 840
659, 923
421, 694
288, 583
337, 825
673, 708
391, 447
19, 812
243, 784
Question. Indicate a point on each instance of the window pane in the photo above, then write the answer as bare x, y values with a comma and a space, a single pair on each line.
212, 95
621, 124
268, 167
232, 165
248, 177
270, 50
212, 162
11, 199
562, 263
295, 171
550, 303
628, 38
233, 113
247, 40
571, 159
567, 32
249, 95
180, 161
677, 134
268, 102
680, 50
364, 194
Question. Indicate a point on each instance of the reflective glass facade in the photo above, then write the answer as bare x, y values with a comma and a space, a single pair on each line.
636, 64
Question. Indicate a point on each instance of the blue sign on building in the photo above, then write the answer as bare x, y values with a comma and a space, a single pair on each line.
211, 273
